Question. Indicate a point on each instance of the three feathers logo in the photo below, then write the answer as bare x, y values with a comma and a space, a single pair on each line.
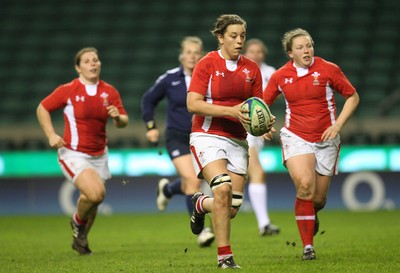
315, 75
104, 96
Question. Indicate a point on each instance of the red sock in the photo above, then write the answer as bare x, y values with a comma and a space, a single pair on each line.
199, 204
305, 218
224, 251
78, 220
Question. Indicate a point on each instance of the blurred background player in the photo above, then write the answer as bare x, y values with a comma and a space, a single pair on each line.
222, 81
257, 51
88, 103
310, 137
173, 86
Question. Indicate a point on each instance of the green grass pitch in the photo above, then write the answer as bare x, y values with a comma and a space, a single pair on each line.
162, 242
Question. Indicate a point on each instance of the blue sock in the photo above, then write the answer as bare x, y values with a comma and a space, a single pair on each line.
173, 188
189, 203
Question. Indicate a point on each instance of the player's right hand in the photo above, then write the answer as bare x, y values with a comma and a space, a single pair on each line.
153, 135
55, 141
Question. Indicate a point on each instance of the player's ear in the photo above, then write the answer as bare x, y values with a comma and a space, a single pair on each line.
77, 69
220, 38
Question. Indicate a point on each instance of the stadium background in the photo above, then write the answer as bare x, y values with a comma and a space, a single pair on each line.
139, 40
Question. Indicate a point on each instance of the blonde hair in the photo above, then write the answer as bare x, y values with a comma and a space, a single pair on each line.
190, 39
255, 41
78, 55
287, 40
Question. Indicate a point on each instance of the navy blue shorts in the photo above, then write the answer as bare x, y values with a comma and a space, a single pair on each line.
177, 143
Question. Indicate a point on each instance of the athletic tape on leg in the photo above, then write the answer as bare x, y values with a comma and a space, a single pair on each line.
237, 199
219, 180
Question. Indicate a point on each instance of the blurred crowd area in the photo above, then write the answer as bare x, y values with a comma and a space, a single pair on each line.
138, 41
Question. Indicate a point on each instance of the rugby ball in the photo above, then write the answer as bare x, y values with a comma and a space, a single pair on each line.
259, 114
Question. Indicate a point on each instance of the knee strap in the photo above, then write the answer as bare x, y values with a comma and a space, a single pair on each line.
219, 180
237, 199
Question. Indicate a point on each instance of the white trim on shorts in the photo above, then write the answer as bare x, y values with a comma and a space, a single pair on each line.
326, 152
72, 163
206, 148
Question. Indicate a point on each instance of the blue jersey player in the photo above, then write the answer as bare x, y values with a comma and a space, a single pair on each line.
173, 86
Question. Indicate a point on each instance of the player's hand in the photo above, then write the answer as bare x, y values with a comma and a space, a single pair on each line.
55, 141
153, 135
271, 123
112, 111
241, 114
268, 136
331, 132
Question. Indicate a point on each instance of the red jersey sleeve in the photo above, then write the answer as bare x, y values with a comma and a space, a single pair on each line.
201, 76
116, 99
341, 84
57, 99
272, 90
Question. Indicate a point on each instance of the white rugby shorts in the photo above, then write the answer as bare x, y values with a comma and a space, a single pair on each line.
326, 152
255, 142
206, 148
72, 163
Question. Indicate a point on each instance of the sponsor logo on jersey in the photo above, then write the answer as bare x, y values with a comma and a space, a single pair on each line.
175, 83
80, 98
288, 80
217, 73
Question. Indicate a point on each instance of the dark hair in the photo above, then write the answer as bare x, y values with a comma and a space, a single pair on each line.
78, 55
224, 21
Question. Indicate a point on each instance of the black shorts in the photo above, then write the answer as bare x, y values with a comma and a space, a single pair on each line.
177, 143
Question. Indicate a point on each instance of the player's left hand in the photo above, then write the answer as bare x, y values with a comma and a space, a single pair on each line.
271, 123
269, 135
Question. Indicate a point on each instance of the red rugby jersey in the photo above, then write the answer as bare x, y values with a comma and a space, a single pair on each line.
309, 96
221, 86
85, 113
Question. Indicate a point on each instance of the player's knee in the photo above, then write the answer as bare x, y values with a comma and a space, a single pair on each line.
304, 190
96, 194
99, 197
319, 204
96, 197
222, 194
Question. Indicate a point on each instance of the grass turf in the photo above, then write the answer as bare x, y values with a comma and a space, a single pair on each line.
347, 242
